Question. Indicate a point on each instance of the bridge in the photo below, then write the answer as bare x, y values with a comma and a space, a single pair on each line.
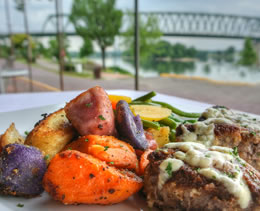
184, 24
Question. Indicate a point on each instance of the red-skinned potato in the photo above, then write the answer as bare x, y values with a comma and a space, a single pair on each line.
91, 113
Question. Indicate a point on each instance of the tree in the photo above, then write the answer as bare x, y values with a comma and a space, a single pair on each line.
248, 54
149, 34
97, 20
86, 49
53, 50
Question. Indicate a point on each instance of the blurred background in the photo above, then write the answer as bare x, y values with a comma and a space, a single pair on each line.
197, 49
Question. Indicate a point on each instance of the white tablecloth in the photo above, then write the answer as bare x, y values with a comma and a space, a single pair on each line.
12, 102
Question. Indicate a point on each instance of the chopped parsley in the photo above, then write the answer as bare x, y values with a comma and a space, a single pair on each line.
86, 140
20, 205
111, 162
253, 133
26, 133
169, 169
235, 152
207, 156
121, 145
101, 117
197, 169
88, 105
106, 148
214, 177
46, 157
69, 148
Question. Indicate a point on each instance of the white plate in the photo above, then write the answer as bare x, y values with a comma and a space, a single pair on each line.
25, 120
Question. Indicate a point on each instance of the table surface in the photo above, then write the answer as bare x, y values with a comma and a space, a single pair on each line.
12, 102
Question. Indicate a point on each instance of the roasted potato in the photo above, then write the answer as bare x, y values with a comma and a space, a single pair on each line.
10, 136
21, 170
51, 134
161, 136
130, 127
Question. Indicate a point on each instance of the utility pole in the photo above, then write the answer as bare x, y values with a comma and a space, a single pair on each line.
29, 46
9, 28
60, 35
136, 47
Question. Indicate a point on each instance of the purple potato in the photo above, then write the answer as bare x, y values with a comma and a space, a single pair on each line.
130, 127
21, 170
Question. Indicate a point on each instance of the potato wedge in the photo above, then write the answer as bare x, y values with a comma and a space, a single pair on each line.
51, 134
11, 136
161, 136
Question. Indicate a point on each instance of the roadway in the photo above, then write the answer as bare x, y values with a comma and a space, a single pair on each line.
237, 96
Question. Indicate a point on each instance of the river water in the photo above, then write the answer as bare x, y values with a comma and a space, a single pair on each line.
222, 71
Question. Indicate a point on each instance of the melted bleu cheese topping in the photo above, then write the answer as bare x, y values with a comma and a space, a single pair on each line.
204, 133
217, 163
204, 130
240, 119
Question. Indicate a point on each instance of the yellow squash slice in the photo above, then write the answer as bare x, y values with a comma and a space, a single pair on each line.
151, 113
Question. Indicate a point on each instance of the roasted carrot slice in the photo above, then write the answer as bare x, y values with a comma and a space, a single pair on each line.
75, 178
107, 148
144, 161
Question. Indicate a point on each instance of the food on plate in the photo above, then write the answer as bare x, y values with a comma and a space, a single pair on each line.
74, 178
51, 134
10, 136
223, 127
161, 136
129, 126
91, 113
21, 170
107, 148
190, 176
98, 144
115, 98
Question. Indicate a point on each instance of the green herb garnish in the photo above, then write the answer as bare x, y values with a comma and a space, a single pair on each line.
20, 205
69, 148
88, 105
86, 140
253, 133
235, 152
101, 117
214, 177
169, 169
111, 162
26, 133
46, 157
106, 148
207, 156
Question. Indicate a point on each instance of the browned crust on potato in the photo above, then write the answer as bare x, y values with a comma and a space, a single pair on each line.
51, 134
11, 136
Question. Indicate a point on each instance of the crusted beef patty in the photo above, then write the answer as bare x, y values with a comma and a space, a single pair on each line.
223, 127
190, 176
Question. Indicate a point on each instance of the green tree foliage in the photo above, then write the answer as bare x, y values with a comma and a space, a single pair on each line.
248, 54
53, 50
97, 20
86, 49
149, 34
20, 42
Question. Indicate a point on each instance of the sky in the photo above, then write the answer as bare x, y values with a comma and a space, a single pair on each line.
39, 10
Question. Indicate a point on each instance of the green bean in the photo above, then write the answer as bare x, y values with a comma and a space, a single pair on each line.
172, 135
169, 122
178, 111
189, 121
146, 97
143, 103
150, 124
175, 119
